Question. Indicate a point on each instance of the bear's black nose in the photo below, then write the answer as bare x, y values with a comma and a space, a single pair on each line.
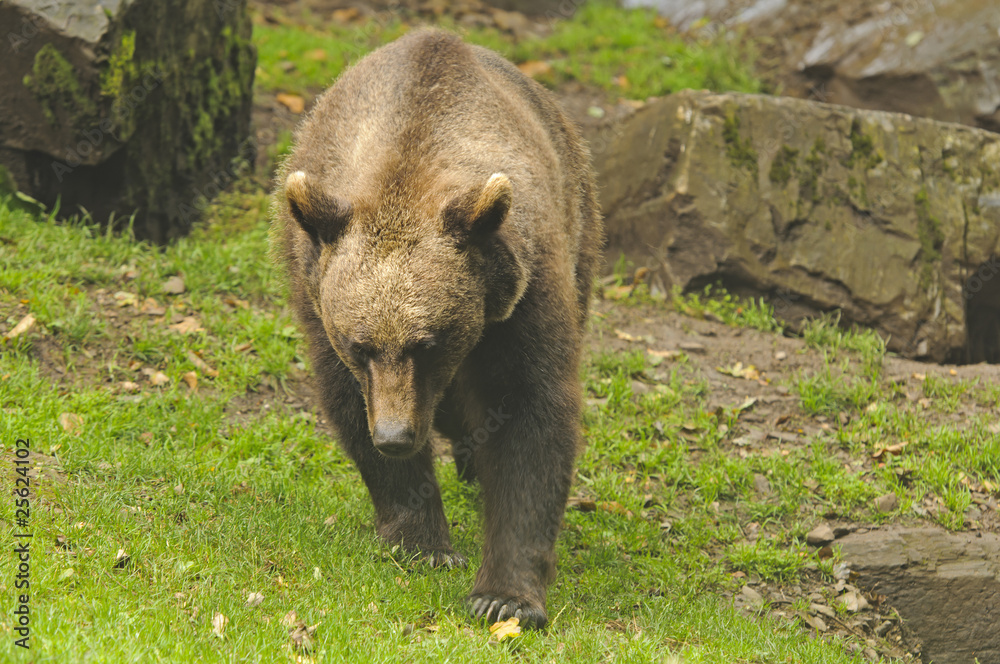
393, 438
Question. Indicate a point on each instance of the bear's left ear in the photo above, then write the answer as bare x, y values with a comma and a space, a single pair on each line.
476, 214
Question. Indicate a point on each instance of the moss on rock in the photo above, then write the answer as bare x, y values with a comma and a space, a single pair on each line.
56, 84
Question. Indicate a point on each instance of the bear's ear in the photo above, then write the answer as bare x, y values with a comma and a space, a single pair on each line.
476, 214
322, 216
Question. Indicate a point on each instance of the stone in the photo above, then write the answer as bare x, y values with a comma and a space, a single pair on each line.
886, 503
820, 535
891, 219
126, 106
946, 586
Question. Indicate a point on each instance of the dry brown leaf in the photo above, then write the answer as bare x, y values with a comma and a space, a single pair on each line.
317, 54
129, 386
242, 348
158, 378
22, 326
346, 15
254, 599
201, 365
191, 378
237, 302
890, 449
293, 103
739, 371
71, 423
219, 623
663, 354
126, 299
618, 292
919, 376
188, 325
535, 68
290, 619
151, 307
174, 285
625, 336
508, 629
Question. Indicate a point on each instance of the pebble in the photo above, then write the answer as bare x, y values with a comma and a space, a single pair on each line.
820, 535
887, 503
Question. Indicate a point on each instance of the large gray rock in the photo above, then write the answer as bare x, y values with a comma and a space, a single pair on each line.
946, 587
894, 220
123, 106
936, 59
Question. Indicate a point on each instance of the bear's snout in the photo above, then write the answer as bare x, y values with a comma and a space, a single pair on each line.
394, 438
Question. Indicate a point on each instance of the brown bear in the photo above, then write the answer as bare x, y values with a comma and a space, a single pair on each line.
438, 219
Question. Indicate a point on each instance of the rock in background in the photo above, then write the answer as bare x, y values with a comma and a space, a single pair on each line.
946, 587
937, 59
123, 106
894, 220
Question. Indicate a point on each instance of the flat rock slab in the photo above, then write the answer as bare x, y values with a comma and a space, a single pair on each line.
946, 587
892, 219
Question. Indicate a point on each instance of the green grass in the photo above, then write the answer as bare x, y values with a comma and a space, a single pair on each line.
629, 52
226, 491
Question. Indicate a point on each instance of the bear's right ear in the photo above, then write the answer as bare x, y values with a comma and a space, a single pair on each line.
321, 216
476, 214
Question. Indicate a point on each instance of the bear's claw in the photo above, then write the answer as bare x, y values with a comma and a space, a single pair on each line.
496, 609
449, 559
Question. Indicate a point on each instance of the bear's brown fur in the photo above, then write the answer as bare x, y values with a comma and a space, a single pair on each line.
439, 224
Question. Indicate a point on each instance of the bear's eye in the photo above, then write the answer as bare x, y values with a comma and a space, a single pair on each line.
359, 352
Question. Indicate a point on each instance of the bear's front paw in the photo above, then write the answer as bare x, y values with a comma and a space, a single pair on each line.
449, 559
495, 608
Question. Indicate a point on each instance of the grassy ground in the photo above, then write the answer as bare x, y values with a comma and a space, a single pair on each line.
188, 506
631, 53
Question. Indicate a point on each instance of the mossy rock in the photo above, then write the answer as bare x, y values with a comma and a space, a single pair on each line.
816, 207
140, 107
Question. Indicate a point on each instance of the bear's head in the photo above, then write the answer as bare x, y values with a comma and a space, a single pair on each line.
404, 287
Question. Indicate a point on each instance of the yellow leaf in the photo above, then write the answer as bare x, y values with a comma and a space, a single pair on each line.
507, 629
23, 326
293, 103
188, 325
71, 423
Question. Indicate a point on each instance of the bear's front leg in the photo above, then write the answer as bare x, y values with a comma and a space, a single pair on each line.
525, 469
405, 493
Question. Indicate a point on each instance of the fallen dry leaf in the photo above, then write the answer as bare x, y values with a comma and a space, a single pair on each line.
158, 378
22, 326
316, 54
290, 619
201, 365
853, 601
71, 423
254, 599
890, 449
188, 325
535, 68
191, 378
151, 307
126, 299
293, 103
508, 629
219, 623
739, 371
174, 285
625, 336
